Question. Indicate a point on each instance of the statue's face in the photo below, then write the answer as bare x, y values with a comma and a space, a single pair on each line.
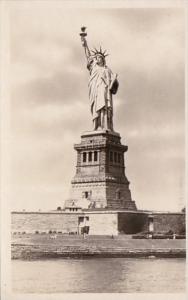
100, 60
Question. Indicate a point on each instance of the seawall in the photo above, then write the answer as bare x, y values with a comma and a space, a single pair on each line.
99, 222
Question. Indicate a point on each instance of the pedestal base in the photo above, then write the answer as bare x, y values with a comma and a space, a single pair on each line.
100, 177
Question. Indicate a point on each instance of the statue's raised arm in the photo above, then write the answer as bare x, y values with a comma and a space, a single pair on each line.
102, 84
83, 35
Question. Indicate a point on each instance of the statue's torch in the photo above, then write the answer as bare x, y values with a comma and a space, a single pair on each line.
83, 35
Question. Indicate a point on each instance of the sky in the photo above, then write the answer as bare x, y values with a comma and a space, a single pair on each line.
50, 105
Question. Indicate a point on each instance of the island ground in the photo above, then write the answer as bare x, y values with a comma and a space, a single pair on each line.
35, 246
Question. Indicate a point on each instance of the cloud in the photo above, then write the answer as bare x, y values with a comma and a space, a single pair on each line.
57, 88
157, 99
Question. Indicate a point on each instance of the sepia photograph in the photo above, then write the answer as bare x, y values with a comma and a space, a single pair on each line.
93, 149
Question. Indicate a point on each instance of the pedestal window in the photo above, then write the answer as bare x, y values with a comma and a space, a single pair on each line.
90, 156
95, 155
84, 156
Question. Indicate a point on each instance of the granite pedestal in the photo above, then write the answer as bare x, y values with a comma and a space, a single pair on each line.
100, 180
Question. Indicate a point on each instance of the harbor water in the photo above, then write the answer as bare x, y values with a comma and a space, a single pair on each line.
99, 275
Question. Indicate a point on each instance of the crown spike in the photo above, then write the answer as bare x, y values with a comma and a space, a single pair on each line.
100, 52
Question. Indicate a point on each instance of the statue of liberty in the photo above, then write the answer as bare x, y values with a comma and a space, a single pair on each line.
102, 85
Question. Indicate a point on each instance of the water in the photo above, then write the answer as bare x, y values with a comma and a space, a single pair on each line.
109, 275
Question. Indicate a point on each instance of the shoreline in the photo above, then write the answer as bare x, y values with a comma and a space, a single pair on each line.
26, 254
42, 246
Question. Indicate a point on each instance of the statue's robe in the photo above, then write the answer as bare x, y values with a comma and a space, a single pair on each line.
100, 84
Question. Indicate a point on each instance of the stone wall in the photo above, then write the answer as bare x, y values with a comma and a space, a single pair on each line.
164, 222
103, 223
131, 223
100, 222
44, 222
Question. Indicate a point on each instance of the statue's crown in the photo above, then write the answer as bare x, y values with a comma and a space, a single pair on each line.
99, 52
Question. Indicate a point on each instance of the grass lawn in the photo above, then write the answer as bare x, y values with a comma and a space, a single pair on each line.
127, 242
